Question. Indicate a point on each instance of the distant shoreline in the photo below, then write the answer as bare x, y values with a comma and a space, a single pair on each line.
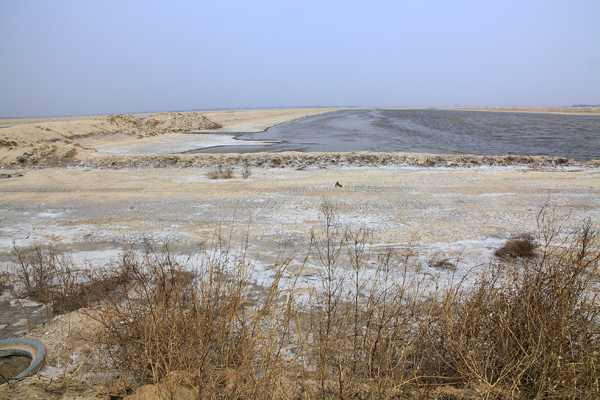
537, 110
531, 110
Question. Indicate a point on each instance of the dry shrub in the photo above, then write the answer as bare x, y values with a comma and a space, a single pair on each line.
439, 261
521, 331
195, 319
220, 172
4, 281
517, 246
246, 172
525, 332
363, 333
50, 277
372, 326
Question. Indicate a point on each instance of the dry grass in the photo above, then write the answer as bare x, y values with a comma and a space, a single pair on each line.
524, 332
50, 277
220, 172
246, 172
372, 327
197, 321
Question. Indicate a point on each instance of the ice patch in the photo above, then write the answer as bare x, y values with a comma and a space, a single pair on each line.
50, 214
496, 194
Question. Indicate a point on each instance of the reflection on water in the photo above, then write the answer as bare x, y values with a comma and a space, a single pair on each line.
435, 131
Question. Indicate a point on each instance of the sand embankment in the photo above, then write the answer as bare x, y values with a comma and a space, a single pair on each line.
26, 144
56, 141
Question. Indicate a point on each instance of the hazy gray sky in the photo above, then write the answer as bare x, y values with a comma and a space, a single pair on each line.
95, 57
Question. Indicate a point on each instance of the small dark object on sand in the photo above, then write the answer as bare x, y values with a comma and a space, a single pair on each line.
337, 184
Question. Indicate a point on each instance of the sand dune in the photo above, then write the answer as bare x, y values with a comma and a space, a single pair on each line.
28, 141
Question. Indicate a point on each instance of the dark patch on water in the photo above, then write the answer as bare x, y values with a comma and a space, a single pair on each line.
434, 131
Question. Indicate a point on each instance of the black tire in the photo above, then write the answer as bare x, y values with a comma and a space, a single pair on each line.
25, 347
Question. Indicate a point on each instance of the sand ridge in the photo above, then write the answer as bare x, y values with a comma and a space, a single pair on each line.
28, 142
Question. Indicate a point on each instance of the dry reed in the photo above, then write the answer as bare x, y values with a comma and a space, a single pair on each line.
372, 327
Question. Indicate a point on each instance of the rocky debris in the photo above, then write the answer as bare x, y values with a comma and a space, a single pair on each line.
8, 143
53, 155
6, 176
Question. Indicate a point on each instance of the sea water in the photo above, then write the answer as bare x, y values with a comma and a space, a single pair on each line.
433, 131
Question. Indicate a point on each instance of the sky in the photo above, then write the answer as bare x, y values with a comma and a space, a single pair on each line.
60, 58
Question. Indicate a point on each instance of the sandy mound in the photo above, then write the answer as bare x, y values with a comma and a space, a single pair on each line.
179, 122
160, 123
124, 123
26, 143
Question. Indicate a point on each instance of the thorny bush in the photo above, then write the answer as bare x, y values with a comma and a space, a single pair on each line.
369, 325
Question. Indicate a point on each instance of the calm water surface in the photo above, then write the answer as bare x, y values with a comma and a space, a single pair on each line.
434, 131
